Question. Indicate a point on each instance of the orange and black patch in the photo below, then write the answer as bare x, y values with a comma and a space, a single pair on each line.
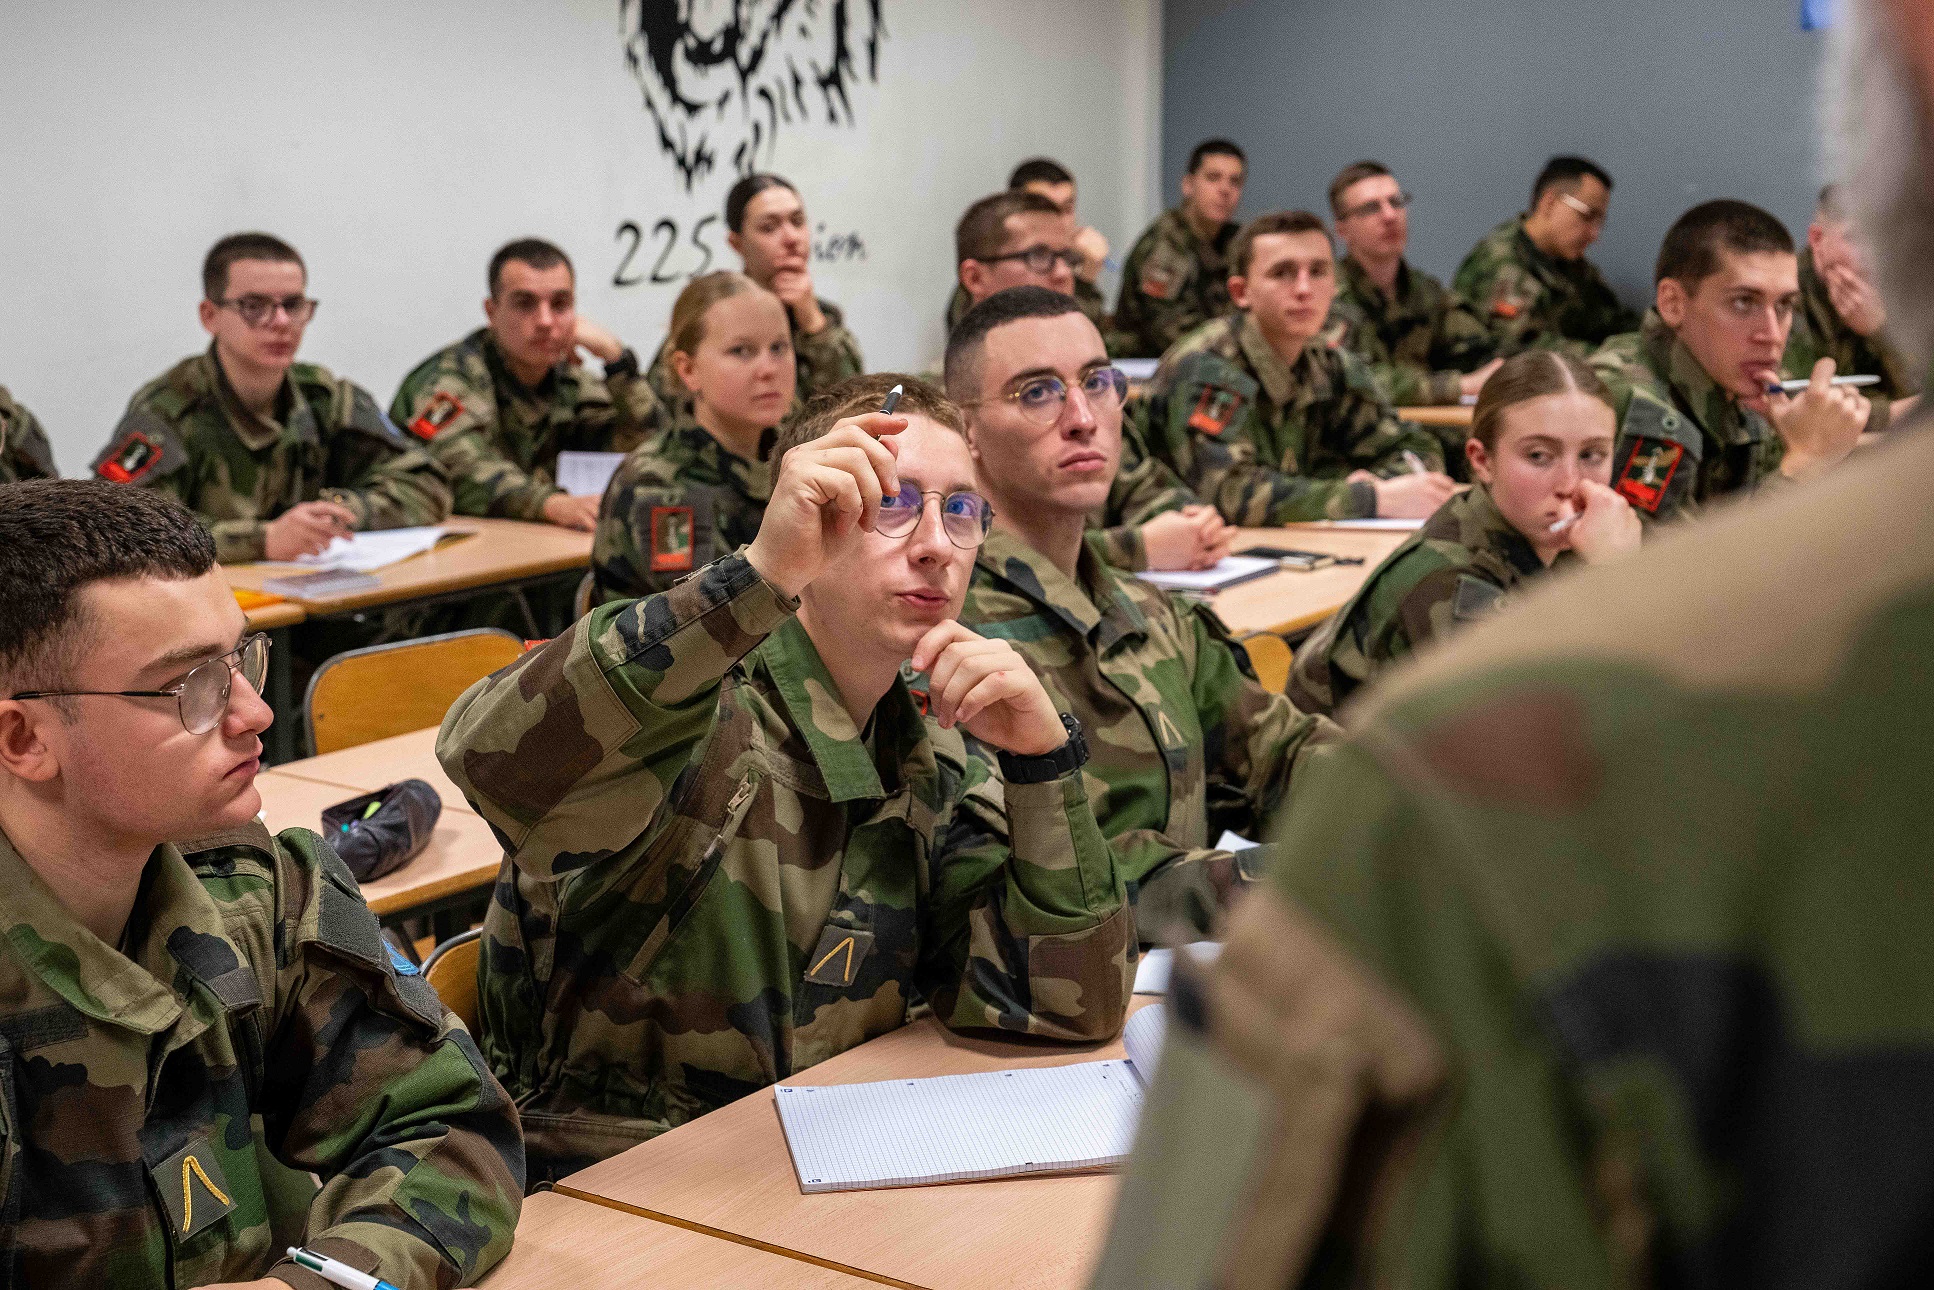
671, 539
1648, 472
1214, 410
1157, 281
442, 409
130, 459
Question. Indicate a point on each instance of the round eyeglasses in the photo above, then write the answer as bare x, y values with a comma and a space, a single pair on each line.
964, 517
1041, 399
201, 697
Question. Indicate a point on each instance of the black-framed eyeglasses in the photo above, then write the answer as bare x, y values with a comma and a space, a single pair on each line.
1396, 202
965, 516
201, 697
259, 311
1042, 399
1039, 259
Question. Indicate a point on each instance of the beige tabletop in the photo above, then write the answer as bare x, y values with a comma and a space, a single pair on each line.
729, 1172
489, 551
1454, 415
281, 613
1290, 602
379, 762
567, 1244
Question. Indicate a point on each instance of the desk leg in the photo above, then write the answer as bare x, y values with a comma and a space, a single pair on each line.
279, 741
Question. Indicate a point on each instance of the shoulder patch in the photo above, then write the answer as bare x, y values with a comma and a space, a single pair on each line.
443, 408
142, 447
1647, 472
1474, 599
1215, 408
1157, 281
671, 539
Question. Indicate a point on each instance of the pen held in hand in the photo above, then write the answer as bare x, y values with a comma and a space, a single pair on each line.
1563, 524
1795, 386
1414, 462
892, 401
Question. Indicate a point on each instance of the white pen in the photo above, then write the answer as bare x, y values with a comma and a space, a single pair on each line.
1561, 525
1415, 463
1794, 387
337, 1273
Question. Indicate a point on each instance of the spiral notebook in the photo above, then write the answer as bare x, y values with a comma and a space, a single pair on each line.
964, 1128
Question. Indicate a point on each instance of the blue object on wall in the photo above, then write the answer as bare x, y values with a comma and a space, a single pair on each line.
1817, 15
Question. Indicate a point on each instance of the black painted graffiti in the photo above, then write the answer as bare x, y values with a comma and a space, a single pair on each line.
670, 263
722, 77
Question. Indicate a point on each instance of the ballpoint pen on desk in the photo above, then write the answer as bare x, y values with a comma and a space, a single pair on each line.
337, 1273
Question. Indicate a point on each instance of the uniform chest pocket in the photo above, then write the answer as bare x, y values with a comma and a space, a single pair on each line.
693, 849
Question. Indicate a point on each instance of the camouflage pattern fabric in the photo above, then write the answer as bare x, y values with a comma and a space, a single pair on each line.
1094, 307
1171, 283
166, 1104
1417, 343
24, 450
187, 434
1531, 300
1182, 744
1604, 964
1460, 567
820, 362
679, 501
1682, 440
1272, 442
500, 440
1145, 486
1819, 332
713, 880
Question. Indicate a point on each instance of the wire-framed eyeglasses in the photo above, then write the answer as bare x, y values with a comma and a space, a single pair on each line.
201, 697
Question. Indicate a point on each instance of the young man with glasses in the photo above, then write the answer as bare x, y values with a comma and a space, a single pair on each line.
1175, 277
207, 1054
1184, 742
276, 457
1012, 239
497, 407
1051, 180
736, 847
1529, 278
24, 450
1422, 344
1269, 422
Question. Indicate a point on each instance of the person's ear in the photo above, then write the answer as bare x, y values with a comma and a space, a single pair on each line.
24, 754
1671, 301
737, 244
1239, 290
1480, 459
208, 310
686, 369
490, 310
973, 277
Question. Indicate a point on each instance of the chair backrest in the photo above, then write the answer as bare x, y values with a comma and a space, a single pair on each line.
1271, 657
386, 690
581, 601
451, 971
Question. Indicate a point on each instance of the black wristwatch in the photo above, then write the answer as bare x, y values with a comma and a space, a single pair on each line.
625, 364
1072, 755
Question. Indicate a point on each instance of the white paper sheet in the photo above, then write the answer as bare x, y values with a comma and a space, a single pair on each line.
584, 474
379, 548
1153, 969
1142, 1039
1138, 369
1229, 570
1233, 841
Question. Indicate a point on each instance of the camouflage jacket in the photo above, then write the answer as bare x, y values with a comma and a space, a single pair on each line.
1418, 344
1272, 442
820, 362
187, 434
499, 440
1819, 332
1182, 744
1532, 300
1459, 567
714, 881
1171, 283
24, 450
1608, 966
166, 1105
1145, 486
1681, 439
1094, 306
679, 501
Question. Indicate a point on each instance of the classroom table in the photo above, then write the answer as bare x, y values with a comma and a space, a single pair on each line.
568, 1244
1290, 603
730, 1173
1452, 415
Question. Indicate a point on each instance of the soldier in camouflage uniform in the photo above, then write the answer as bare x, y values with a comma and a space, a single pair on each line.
1529, 278
766, 224
1176, 275
1832, 268
1422, 344
1262, 418
1541, 447
1184, 743
1695, 421
207, 1051
497, 407
275, 457
736, 848
24, 450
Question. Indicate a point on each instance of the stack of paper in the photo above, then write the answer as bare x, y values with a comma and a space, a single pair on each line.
1227, 572
367, 552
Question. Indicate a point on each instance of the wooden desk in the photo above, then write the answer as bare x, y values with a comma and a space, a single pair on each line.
1453, 415
268, 618
567, 1244
384, 761
730, 1173
1290, 603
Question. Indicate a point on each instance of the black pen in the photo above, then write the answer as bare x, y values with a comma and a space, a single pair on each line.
892, 401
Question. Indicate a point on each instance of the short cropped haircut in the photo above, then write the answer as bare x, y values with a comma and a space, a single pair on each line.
982, 231
1690, 253
1274, 222
1039, 170
969, 338
1354, 173
534, 251
1566, 172
1531, 375
243, 246
1214, 148
59, 535
868, 393
744, 191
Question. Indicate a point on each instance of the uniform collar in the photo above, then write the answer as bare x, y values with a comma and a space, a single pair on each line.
540, 395
176, 941
1369, 294
1092, 603
254, 430
1715, 410
845, 760
1474, 521
707, 461
1208, 249
1282, 380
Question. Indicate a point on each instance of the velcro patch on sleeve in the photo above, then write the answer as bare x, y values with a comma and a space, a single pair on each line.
1475, 598
1647, 472
836, 959
443, 408
134, 456
671, 539
1215, 408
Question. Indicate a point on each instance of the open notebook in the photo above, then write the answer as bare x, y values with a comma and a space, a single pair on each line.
962, 1128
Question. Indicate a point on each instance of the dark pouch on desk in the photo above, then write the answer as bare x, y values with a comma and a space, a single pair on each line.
374, 843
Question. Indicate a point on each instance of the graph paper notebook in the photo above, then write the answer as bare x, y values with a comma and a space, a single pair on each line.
963, 1128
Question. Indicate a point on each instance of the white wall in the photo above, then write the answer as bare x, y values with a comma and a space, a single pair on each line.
398, 144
